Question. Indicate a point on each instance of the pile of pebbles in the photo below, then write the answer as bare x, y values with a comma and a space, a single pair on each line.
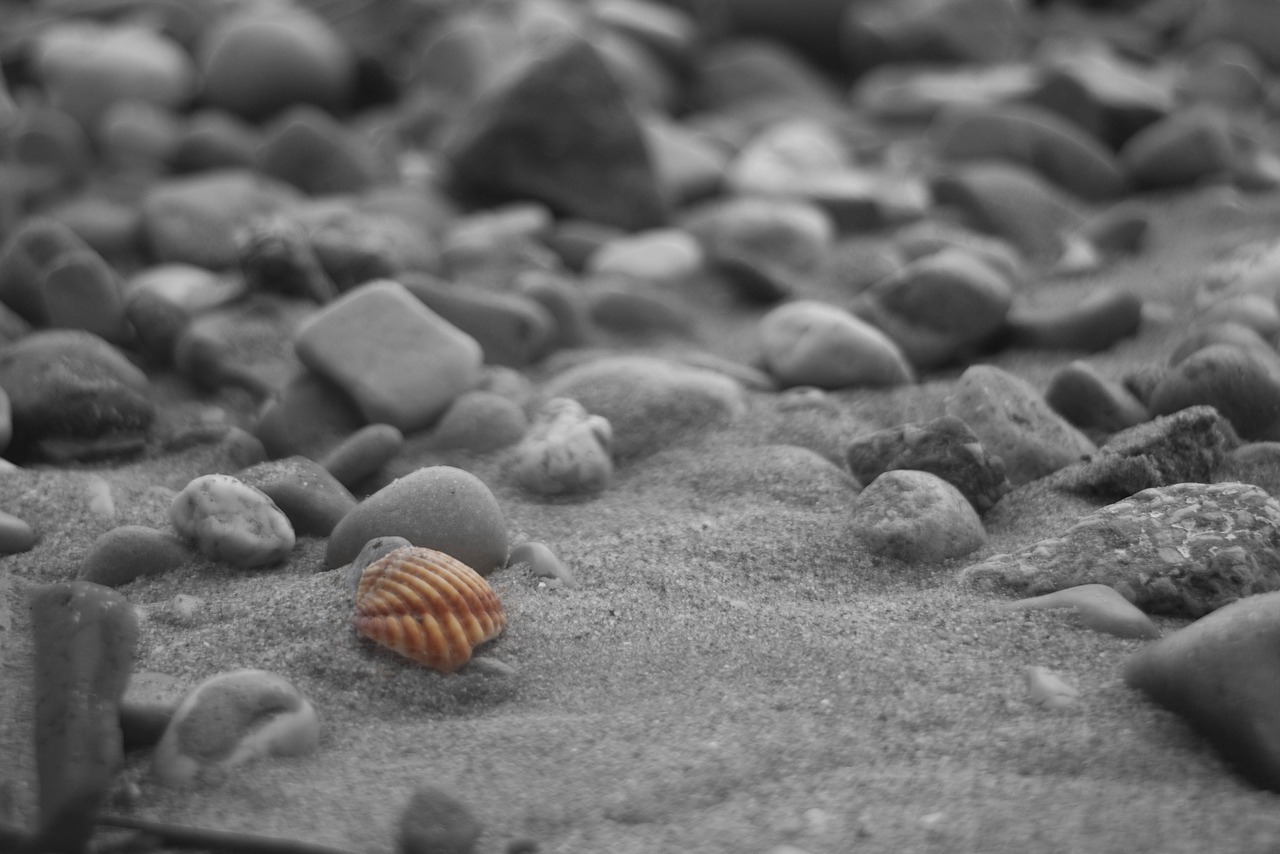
314, 236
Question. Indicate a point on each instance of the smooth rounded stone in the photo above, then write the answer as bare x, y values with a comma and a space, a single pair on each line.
262, 60
1096, 322
950, 31
85, 636
309, 416
1186, 147
49, 156
564, 301
29, 252
437, 507
1015, 423
505, 236
669, 256
375, 549
1012, 202
511, 329
1243, 385
813, 343
768, 248
758, 68
304, 490
1101, 91
916, 517
939, 308
565, 451
1232, 334
138, 137
944, 447
558, 129
650, 402
1256, 462
480, 422
1048, 690
81, 291
16, 535
398, 360
1092, 402
233, 718
195, 219
161, 301
920, 92
542, 563
148, 704
780, 156
689, 165
86, 67
1257, 311
1188, 446
232, 522
1180, 550
73, 395
214, 139
1219, 673
637, 308
129, 552
226, 346
1034, 137
308, 148
575, 240
1097, 607
362, 453
110, 227
436, 822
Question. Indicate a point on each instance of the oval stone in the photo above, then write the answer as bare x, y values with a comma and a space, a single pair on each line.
232, 522
811, 343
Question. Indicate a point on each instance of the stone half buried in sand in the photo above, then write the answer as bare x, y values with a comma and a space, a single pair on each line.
559, 130
1097, 606
1181, 550
1222, 673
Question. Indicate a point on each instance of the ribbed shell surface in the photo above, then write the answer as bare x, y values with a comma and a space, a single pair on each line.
427, 606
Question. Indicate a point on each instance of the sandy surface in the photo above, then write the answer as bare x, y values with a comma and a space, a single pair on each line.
731, 673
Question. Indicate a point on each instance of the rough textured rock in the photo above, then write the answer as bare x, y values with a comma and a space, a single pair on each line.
1222, 674
916, 517
1181, 550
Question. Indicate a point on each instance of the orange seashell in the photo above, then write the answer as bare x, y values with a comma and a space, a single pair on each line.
427, 606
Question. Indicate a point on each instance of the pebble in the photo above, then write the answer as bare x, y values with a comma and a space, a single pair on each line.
734, 73
128, 552
1097, 607
768, 249
566, 451
652, 403
436, 822
667, 256
1186, 147
407, 372
1012, 202
1230, 333
939, 308
85, 637
138, 137
304, 490
946, 32
214, 139
1109, 95
308, 148
944, 447
111, 228
73, 396
1015, 423
1219, 674
211, 350
480, 422
637, 309
1241, 384
276, 255
161, 301
29, 252
82, 291
689, 166
791, 152
1048, 690
816, 344
1097, 321
362, 454
564, 301
51, 155
86, 67
437, 507
1092, 402
357, 246
264, 59
1145, 548
232, 522
1188, 446
542, 563
148, 705
1257, 311
16, 535
916, 517
511, 329
376, 548
1256, 462
309, 416
195, 219
1033, 137
233, 718
559, 130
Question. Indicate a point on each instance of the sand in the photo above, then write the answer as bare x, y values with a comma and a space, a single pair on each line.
731, 673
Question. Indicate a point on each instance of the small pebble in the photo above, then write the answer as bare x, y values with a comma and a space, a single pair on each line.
230, 719
916, 517
542, 562
1095, 322
480, 422
566, 451
511, 329
129, 552
16, 536
816, 344
305, 491
232, 522
363, 453
1048, 690
1241, 384
436, 822
1186, 147
309, 416
1098, 607
1092, 402
669, 256
376, 548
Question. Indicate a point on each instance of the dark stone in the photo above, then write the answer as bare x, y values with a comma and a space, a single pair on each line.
275, 255
313, 499
1091, 402
1243, 385
131, 551
944, 447
435, 822
1095, 323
